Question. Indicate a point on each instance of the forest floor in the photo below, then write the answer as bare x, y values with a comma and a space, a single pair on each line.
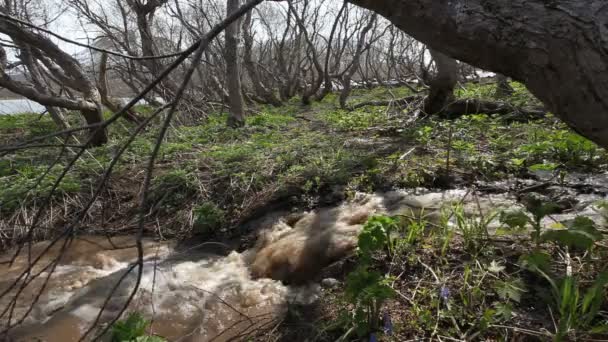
210, 180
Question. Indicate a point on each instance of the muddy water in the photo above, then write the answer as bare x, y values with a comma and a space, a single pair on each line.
191, 295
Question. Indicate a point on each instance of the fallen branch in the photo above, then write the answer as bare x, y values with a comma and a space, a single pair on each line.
460, 108
393, 102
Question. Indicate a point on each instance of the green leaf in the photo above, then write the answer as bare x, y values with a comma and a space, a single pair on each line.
543, 167
568, 295
595, 295
130, 329
486, 319
514, 219
540, 210
600, 329
539, 262
504, 311
581, 233
536, 261
510, 290
519, 162
375, 235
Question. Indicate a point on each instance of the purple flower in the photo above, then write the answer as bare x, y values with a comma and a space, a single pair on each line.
372, 338
444, 293
388, 324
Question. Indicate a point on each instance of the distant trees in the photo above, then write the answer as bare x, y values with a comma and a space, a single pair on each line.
281, 50
286, 49
54, 79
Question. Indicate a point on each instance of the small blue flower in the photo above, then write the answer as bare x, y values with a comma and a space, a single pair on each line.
372, 338
444, 293
388, 324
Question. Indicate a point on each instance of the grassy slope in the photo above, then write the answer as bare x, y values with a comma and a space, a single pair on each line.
288, 152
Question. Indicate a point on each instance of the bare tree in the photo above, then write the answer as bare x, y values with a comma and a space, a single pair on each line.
351, 69
236, 116
261, 90
39, 52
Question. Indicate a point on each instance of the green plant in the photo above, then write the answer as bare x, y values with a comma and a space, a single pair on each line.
207, 217
577, 308
581, 233
368, 289
133, 329
171, 189
423, 135
518, 220
23, 187
474, 230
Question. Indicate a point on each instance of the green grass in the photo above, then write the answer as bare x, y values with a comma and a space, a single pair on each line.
303, 152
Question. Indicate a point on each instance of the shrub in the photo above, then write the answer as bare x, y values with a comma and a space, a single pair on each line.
207, 217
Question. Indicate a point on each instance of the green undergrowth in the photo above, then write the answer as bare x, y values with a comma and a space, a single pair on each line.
420, 279
218, 175
208, 177
482, 147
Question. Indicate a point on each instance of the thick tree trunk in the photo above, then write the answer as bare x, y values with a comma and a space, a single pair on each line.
441, 91
236, 116
558, 48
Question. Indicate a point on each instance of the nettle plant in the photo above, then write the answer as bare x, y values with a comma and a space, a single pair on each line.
368, 289
580, 233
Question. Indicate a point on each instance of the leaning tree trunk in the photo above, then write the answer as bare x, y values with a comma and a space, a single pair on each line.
111, 103
267, 95
441, 91
558, 48
62, 66
349, 73
236, 116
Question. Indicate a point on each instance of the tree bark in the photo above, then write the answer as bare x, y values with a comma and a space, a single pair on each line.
236, 115
441, 91
557, 48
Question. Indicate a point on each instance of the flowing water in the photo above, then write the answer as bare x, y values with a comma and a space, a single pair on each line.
15, 106
190, 294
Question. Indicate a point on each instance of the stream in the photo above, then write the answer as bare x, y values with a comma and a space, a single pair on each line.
192, 294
